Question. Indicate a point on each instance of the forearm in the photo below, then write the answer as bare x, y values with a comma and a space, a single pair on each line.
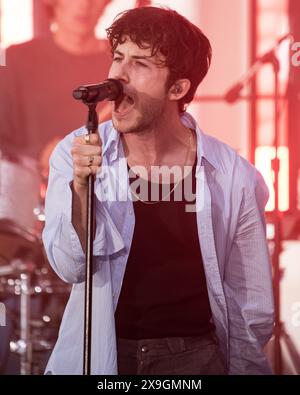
79, 211
64, 234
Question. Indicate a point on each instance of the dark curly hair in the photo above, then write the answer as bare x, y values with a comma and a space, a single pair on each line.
186, 49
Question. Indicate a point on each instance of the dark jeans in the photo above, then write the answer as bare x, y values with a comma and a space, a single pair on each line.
171, 356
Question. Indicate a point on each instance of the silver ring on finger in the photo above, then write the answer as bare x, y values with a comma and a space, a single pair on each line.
87, 139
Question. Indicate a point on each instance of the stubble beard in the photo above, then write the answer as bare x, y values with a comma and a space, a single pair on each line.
147, 118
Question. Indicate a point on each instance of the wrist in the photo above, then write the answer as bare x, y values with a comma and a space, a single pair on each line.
78, 186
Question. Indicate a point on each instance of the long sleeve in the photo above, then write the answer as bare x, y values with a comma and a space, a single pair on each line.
248, 286
60, 239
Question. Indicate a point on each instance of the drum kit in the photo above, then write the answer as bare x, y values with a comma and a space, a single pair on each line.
33, 296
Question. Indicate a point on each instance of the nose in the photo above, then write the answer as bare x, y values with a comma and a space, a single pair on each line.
120, 72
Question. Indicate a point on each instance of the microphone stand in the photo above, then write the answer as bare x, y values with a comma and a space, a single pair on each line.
271, 57
231, 96
90, 95
279, 331
234, 92
92, 126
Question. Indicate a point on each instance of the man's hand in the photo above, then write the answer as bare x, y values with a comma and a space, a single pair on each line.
87, 158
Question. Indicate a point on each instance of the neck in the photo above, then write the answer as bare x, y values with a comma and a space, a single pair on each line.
77, 44
164, 144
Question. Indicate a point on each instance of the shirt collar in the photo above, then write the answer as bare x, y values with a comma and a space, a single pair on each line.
110, 148
205, 146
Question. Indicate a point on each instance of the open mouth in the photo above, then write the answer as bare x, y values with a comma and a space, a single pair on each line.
124, 104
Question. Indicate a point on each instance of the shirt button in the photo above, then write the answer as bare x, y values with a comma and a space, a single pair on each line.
144, 349
130, 211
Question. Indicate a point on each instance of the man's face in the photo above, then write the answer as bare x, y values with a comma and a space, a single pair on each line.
144, 83
78, 16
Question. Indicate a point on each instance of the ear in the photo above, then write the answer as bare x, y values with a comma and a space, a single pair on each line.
179, 89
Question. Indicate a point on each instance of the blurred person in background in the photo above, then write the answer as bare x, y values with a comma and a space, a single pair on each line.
36, 104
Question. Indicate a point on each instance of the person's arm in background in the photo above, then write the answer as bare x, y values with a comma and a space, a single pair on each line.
248, 286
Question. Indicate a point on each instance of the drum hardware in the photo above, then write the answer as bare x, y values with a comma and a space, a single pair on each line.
39, 212
23, 346
19, 196
34, 331
16, 267
26, 281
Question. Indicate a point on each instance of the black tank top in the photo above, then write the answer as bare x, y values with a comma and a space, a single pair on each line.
164, 291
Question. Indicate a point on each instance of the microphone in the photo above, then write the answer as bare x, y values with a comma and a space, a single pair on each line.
109, 89
232, 95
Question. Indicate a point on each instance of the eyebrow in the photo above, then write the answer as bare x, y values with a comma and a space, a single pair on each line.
147, 58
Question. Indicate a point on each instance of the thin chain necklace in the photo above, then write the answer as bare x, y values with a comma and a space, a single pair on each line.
175, 185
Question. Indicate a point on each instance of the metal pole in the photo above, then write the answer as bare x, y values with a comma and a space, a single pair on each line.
25, 340
277, 228
92, 125
253, 92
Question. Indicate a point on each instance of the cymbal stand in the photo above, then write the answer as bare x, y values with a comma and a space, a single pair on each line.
23, 346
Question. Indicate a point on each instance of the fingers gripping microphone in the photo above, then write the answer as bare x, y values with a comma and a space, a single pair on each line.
109, 89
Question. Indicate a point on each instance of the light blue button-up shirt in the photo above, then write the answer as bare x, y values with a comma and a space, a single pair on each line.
230, 200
